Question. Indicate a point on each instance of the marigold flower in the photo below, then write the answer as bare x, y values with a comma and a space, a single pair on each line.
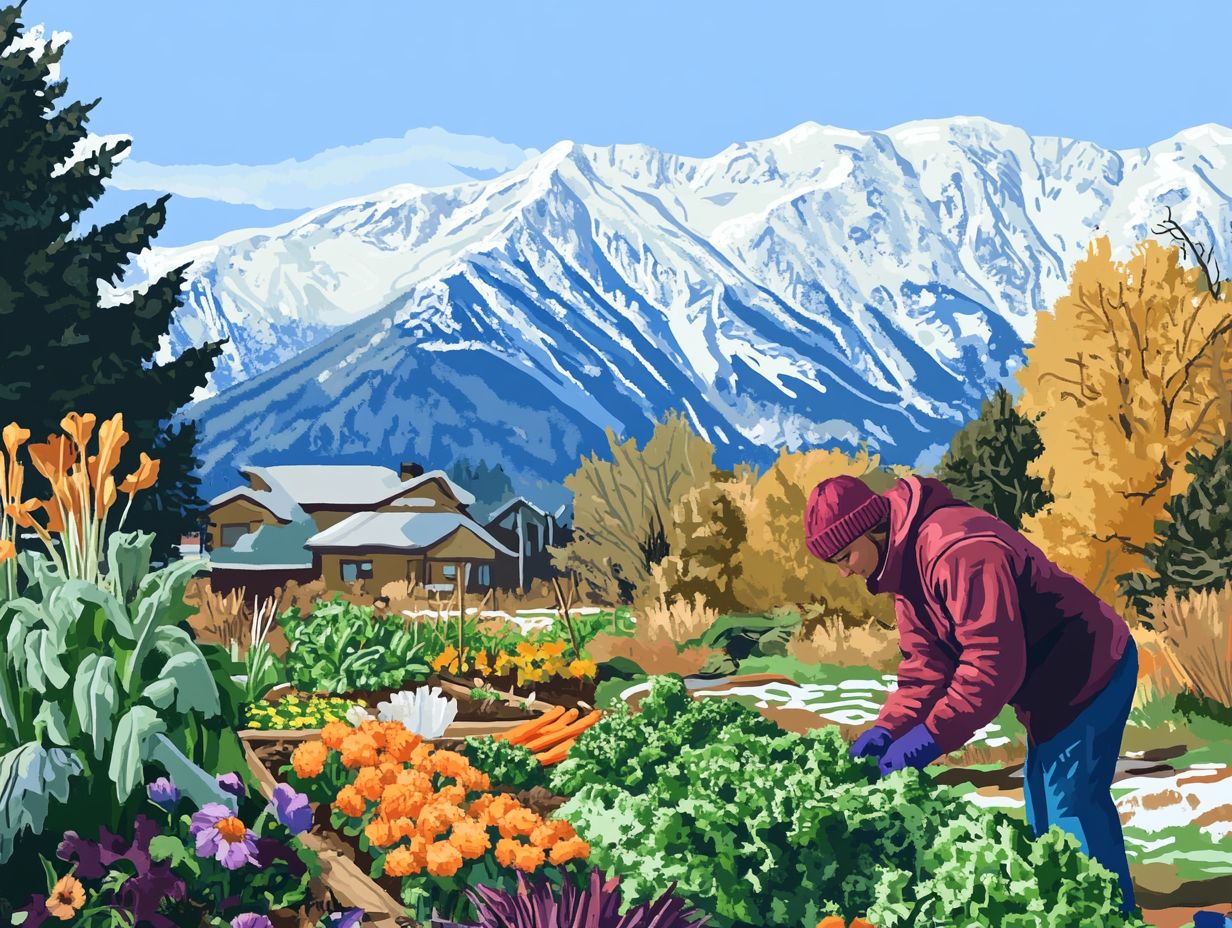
350, 802
832, 921
380, 833
474, 781
581, 669
389, 771
501, 806
375, 730
358, 750
308, 759
448, 763
443, 859
402, 861
417, 780
67, 896
506, 851
547, 834
569, 849
528, 858
518, 822
470, 838
400, 745
369, 784
435, 819
399, 801
334, 733
860, 923
478, 810
453, 794
420, 755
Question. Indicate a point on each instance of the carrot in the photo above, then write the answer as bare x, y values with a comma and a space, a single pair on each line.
556, 754
567, 719
514, 735
546, 739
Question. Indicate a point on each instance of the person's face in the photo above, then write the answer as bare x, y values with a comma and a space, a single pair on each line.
860, 558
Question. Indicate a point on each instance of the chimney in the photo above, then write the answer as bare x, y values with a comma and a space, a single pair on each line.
410, 470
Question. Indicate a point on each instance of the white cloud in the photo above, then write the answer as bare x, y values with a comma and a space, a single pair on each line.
424, 157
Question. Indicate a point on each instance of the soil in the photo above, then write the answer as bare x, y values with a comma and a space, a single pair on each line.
469, 710
559, 691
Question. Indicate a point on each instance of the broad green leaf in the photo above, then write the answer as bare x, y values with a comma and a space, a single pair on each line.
95, 699
128, 560
30, 776
78, 599
50, 719
159, 603
186, 665
160, 693
131, 746
41, 573
195, 783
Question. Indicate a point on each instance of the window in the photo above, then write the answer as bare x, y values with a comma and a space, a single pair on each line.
485, 575
231, 533
449, 571
355, 570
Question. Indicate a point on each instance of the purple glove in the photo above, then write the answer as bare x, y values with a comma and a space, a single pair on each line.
914, 749
872, 742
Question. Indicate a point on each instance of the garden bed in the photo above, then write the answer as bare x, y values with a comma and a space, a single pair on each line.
569, 692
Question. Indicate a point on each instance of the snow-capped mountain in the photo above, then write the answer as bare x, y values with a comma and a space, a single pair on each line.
824, 286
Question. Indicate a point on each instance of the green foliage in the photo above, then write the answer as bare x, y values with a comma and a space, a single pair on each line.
100, 678
505, 764
983, 869
760, 827
64, 350
986, 464
343, 648
1192, 549
630, 750
30, 777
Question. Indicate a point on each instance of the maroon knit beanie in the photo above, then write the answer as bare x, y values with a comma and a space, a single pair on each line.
840, 510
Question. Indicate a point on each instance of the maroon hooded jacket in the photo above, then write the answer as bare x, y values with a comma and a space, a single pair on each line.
985, 619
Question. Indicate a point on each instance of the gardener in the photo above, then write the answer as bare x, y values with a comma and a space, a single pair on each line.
985, 620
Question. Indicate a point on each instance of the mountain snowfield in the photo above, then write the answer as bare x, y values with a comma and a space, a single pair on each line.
822, 287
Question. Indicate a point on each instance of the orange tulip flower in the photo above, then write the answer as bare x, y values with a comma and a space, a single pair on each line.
79, 428
111, 438
144, 477
14, 437
53, 458
8, 550
20, 512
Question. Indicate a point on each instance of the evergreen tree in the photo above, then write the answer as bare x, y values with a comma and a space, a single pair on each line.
986, 464
1192, 549
490, 486
63, 349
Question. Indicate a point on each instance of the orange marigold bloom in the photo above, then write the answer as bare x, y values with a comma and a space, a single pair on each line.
569, 849
401, 744
448, 763
389, 771
334, 733
402, 861
358, 750
398, 801
470, 838
506, 851
860, 923
350, 802
375, 730
309, 759
529, 858
832, 921
443, 859
478, 810
421, 753
501, 806
475, 781
518, 822
548, 833
368, 783
417, 780
380, 833
435, 819
454, 794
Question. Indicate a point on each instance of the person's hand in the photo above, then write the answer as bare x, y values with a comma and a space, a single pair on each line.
914, 749
872, 742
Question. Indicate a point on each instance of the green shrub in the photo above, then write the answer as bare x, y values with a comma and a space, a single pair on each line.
343, 648
505, 764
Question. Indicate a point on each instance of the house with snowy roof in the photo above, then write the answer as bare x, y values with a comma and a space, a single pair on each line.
348, 524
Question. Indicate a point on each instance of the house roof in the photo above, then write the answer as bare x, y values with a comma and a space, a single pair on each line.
404, 531
506, 508
269, 546
292, 487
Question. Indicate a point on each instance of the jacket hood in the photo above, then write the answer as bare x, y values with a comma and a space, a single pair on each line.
912, 500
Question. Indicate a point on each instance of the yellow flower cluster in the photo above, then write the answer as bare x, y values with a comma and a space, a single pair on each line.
425, 810
295, 712
533, 663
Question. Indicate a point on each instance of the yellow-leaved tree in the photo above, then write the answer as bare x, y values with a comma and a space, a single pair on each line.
622, 507
776, 568
1130, 372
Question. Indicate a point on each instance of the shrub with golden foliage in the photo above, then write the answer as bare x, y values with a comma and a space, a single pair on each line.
622, 506
776, 568
1129, 373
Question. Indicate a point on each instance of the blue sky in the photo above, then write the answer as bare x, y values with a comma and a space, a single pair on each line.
259, 81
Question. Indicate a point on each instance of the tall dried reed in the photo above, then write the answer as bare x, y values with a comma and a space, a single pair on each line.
866, 644
679, 621
1198, 630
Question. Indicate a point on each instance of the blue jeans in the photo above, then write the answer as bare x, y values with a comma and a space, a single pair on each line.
1067, 780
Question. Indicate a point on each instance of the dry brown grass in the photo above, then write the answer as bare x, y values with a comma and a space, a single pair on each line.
220, 617
1159, 673
654, 657
1197, 632
864, 644
678, 621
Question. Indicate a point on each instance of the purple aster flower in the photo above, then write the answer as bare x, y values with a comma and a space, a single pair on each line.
291, 808
251, 920
348, 919
164, 793
222, 836
232, 783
